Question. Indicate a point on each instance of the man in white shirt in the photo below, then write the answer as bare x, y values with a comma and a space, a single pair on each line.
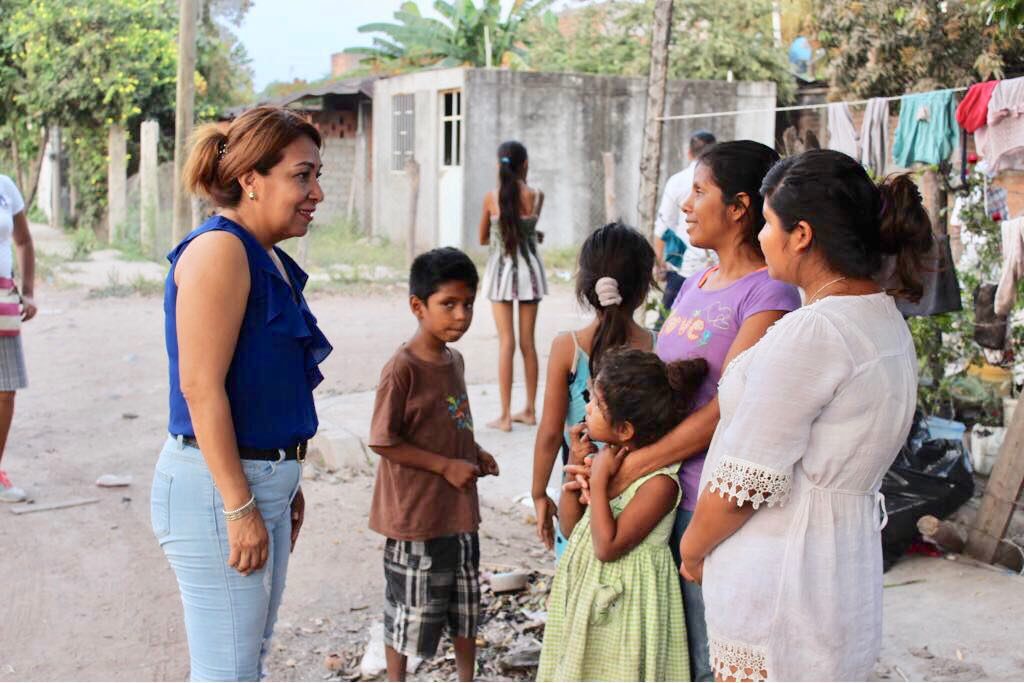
676, 260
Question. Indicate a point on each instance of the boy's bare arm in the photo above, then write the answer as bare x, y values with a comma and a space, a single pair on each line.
458, 473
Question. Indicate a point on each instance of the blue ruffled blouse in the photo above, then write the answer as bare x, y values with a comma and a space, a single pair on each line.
274, 369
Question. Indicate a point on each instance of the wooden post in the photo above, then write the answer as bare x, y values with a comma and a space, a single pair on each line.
117, 182
650, 160
610, 213
19, 174
33, 182
412, 170
184, 112
149, 200
56, 214
1001, 493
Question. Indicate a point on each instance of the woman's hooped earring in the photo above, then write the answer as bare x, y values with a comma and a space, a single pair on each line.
252, 195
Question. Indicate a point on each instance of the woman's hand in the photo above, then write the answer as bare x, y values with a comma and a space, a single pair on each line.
546, 510
298, 515
692, 570
249, 543
28, 308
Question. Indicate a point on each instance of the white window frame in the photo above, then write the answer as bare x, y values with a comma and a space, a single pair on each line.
455, 120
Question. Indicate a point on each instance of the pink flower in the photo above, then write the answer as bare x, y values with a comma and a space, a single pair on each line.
972, 158
997, 216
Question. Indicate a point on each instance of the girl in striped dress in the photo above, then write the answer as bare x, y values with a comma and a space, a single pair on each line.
514, 274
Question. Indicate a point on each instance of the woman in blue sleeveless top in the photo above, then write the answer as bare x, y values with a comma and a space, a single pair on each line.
243, 350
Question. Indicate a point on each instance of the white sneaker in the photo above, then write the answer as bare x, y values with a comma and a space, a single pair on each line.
9, 493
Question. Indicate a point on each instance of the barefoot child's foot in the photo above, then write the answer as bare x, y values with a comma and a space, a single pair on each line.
527, 417
502, 423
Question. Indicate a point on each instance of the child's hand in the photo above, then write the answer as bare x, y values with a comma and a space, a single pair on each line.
488, 465
580, 445
606, 464
547, 510
460, 474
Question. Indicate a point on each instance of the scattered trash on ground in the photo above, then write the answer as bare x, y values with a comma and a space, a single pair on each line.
45, 507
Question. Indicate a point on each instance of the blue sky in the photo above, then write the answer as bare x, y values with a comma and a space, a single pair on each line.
289, 39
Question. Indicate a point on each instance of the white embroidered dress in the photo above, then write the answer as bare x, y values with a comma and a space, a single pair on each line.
811, 418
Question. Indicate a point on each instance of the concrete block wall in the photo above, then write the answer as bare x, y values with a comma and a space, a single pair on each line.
567, 121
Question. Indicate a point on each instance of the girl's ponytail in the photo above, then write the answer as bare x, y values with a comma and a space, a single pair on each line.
511, 160
614, 276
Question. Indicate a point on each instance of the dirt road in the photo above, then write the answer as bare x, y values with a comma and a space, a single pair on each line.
88, 595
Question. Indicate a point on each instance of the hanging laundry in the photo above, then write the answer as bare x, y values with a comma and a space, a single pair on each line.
927, 132
874, 136
989, 327
842, 136
1013, 265
972, 112
941, 285
1001, 142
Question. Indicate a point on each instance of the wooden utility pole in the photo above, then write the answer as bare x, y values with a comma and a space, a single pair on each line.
650, 160
117, 182
1001, 493
184, 112
412, 171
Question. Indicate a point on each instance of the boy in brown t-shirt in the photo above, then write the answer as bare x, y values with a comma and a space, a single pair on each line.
425, 499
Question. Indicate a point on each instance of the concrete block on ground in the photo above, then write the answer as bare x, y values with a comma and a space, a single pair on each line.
335, 448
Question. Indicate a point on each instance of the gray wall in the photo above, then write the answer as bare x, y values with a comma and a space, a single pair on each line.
567, 121
339, 159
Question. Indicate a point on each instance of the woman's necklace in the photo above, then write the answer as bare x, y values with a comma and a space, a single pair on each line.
823, 288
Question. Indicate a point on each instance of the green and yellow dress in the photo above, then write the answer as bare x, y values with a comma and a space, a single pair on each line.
617, 621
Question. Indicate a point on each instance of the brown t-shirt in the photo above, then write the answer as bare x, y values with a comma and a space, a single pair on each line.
425, 405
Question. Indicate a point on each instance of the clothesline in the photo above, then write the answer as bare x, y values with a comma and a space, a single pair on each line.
679, 117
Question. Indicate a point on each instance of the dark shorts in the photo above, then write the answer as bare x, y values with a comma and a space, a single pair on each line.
429, 585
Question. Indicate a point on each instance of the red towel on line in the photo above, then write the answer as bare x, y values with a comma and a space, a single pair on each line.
972, 113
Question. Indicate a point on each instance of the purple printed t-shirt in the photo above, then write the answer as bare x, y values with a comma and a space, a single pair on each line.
704, 323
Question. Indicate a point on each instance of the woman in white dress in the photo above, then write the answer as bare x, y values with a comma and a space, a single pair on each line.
785, 536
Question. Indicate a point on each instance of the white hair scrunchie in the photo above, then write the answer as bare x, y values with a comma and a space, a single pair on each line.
607, 289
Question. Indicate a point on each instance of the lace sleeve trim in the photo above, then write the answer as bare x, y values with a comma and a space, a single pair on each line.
746, 482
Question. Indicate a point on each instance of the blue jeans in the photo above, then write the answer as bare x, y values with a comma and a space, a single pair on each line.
229, 618
693, 604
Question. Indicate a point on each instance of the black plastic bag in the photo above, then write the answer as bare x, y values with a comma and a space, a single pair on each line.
929, 477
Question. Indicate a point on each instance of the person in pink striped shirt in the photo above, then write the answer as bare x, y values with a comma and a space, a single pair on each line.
16, 306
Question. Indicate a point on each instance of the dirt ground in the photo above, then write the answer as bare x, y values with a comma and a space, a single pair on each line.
88, 594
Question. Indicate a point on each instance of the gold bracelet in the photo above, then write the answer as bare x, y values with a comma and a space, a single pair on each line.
235, 515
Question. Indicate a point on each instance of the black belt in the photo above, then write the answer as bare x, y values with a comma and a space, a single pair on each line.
296, 452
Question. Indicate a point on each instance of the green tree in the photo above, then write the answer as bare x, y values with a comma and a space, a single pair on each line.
710, 40
87, 66
461, 36
885, 47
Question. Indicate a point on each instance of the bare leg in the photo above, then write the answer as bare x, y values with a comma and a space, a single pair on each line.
396, 664
506, 352
465, 658
528, 345
6, 416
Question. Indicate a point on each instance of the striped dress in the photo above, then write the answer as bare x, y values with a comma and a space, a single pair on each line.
518, 276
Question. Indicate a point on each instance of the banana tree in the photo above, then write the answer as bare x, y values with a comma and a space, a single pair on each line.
465, 34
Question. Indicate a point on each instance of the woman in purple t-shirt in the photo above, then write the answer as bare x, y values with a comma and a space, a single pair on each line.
717, 315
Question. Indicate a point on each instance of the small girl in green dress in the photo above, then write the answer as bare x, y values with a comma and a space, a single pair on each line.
616, 613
